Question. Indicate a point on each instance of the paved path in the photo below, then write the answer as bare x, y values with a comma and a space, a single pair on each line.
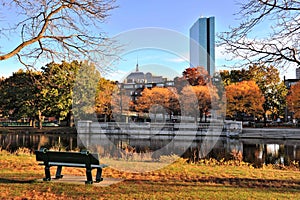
69, 179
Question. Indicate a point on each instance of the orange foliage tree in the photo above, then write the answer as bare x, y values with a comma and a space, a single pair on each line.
205, 96
121, 102
244, 98
158, 101
293, 99
196, 76
103, 100
192, 77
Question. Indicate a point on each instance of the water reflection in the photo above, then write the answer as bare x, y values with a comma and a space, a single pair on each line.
255, 151
11, 142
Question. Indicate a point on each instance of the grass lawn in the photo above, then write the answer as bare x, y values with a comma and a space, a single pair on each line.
208, 179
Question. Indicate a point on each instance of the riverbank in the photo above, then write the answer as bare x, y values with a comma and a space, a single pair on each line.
247, 133
44, 130
270, 133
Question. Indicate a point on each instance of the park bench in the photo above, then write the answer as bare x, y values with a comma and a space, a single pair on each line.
83, 159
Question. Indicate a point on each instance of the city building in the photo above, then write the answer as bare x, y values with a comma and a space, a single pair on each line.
298, 73
132, 87
202, 44
140, 77
137, 81
289, 82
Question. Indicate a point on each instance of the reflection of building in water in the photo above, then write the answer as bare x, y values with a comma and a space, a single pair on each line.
260, 154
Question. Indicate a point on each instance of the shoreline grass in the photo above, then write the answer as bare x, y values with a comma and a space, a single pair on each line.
208, 179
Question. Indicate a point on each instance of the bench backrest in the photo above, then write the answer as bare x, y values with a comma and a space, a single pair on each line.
67, 157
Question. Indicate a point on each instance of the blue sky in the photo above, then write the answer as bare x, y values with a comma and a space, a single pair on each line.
177, 16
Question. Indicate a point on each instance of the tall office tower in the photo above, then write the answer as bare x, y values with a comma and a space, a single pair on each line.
202, 44
298, 73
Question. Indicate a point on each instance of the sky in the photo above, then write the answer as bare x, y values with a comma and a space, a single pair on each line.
177, 17
174, 16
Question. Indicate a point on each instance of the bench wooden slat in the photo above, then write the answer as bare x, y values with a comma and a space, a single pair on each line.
74, 165
70, 159
67, 157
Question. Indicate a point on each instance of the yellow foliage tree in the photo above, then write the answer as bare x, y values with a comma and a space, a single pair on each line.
103, 101
244, 98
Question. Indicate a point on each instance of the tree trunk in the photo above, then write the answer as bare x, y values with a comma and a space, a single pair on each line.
40, 119
33, 123
201, 115
71, 119
265, 119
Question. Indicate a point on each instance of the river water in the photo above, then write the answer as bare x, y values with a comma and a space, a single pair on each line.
255, 151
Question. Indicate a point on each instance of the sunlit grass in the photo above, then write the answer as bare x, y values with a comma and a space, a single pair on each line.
208, 179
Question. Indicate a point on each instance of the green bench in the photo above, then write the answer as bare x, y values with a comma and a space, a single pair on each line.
83, 159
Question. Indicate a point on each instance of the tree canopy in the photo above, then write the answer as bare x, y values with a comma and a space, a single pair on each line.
56, 30
293, 100
158, 101
205, 96
244, 98
57, 86
20, 96
234, 76
196, 76
268, 80
273, 89
104, 98
49, 92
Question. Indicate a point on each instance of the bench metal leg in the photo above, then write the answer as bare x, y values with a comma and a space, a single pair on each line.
58, 172
47, 174
99, 175
89, 176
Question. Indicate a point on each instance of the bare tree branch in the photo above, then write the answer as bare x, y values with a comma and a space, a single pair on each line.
280, 47
58, 30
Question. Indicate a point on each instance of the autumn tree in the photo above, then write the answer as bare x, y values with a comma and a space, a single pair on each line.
85, 92
121, 102
196, 76
192, 76
56, 30
244, 98
279, 46
234, 76
158, 100
273, 89
205, 96
268, 80
103, 102
293, 100
57, 88
21, 97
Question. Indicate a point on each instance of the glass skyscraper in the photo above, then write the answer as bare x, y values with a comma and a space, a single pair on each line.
202, 44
